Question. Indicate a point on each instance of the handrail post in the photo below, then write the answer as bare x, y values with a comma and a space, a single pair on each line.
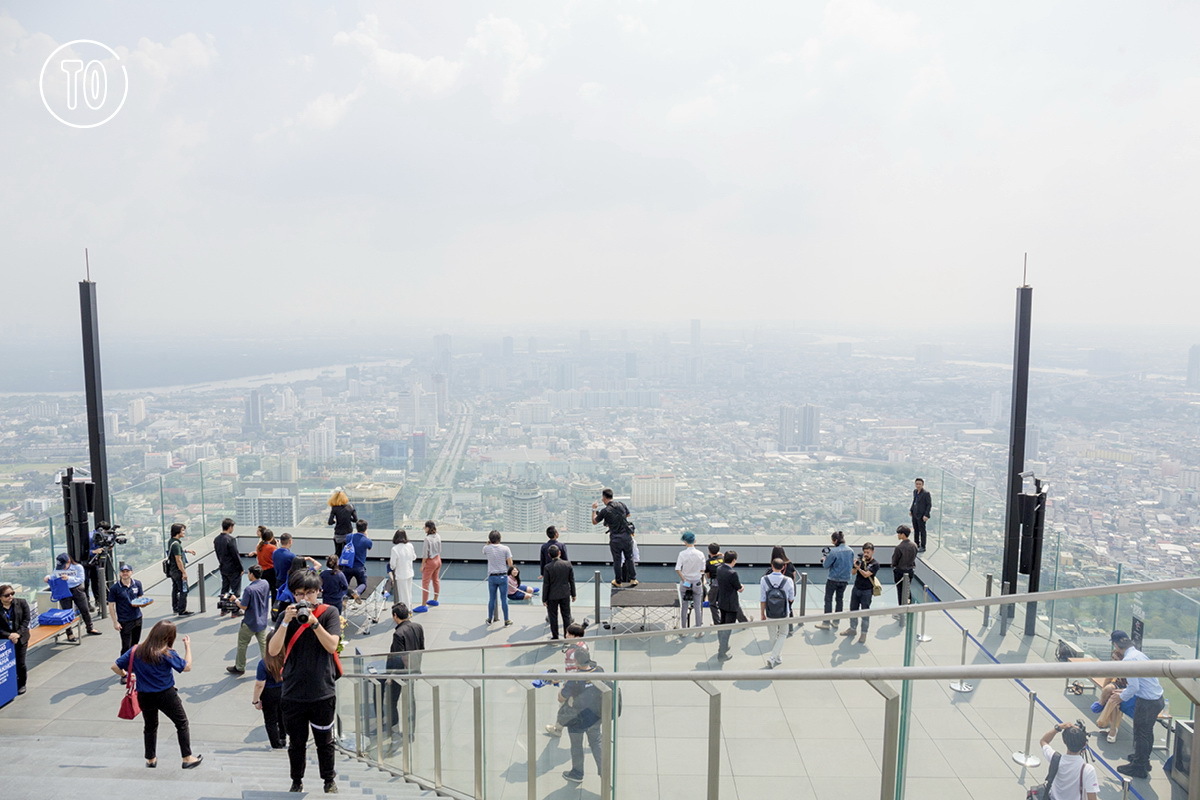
803, 598
437, 735
358, 732
1026, 758
200, 587
409, 700
891, 738
962, 685
608, 744
477, 711
531, 742
381, 689
987, 610
713, 765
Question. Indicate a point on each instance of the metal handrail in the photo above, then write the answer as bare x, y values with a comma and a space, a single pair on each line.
1075, 669
947, 605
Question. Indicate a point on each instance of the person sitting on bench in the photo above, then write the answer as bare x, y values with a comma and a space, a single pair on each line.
517, 590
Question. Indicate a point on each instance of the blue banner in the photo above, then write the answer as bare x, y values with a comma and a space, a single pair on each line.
8, 672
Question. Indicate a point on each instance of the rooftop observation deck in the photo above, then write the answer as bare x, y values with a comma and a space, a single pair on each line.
816, 738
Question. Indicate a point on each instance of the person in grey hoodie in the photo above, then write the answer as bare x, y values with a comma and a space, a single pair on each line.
839, 561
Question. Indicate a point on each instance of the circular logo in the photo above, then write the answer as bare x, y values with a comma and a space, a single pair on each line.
84, 84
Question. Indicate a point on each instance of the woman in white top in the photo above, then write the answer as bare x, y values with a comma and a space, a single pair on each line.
431, 566
401, 567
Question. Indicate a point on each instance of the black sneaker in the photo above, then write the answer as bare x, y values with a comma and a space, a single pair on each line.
297, 786
330, 787
573, 777
185, 613
235, 671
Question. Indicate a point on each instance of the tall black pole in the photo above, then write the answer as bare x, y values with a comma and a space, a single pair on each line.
95, 401
1016, 443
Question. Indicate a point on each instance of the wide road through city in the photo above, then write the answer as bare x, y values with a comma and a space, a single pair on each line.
434, 494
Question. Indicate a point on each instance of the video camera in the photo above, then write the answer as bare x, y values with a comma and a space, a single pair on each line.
107, 536
228, 604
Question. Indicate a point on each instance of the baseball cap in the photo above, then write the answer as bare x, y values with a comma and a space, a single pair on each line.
126, 568
688, 537
1118, 636
62, 559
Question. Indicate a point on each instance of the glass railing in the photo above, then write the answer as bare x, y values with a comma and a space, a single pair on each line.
821, 731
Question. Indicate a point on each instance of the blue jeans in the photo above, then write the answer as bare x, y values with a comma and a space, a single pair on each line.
497, 586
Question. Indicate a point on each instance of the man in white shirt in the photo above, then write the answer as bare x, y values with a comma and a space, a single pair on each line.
1073, 778
776, 593
1149, 694
689, 566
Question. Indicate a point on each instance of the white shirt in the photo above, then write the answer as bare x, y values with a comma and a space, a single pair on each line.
691, 563
1066, 781
401, 561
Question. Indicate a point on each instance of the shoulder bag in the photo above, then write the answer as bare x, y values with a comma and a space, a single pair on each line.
130, 707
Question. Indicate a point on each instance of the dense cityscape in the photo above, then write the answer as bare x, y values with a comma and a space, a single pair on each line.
721, 432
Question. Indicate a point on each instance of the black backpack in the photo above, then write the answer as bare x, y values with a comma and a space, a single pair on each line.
776, 599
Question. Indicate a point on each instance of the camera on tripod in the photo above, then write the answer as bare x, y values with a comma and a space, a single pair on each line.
107, 536
228, 604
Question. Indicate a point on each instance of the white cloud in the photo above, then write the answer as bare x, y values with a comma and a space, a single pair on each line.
591, 90
405, 72
501, 37
163, 63
872, 24
633, 25
692, 111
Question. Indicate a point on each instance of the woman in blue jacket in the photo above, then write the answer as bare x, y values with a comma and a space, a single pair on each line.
152, 667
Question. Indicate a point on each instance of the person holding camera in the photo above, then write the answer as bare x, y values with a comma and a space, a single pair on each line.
126, 617
1071, 777
308, 639
94, 568
14, 626
229, 563
615, 516
865, 567
71, 571
838, 562
179, 584
255, 604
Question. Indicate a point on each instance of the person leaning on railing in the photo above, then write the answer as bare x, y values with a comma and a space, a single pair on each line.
14, 626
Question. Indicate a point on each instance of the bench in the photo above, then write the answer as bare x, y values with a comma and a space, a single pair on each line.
44, 633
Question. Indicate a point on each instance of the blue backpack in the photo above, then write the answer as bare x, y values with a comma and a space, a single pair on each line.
348, 554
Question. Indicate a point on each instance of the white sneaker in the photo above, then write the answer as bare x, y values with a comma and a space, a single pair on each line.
554, 730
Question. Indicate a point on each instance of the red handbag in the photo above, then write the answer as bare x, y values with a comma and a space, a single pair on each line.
130, 707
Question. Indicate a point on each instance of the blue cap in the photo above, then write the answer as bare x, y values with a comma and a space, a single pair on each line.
1118, 636
62, 560
688, 537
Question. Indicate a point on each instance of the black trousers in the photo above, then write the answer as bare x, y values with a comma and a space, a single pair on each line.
269, 576
131, 634
231, 583
554, 609
712, 604
21, 649
834, 592
621, 547
359, 574
95, 583
1145, 713
179, 592
726, 618
918, 525
298, 716
168, 703
272, 711
79, 599
394, 691
593, 738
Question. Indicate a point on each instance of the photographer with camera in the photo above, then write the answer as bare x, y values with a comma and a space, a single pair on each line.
1071, 777
100, 546
256, 604
126, 616
229, 564
863, 591
308, 637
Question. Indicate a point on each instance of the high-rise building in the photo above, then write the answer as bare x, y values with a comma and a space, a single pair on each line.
280, 469
441, 353
524, 509
580, 496
393, 453
564, 375
533, 412
420, 452
808, 427
377, 503
276, 506
44, 410
1193, 372
868, 513
1033, 441
441, 393
112, 424
286, 401
786, 438
254, 411
322, 442
137, 412
158, 461
653, 491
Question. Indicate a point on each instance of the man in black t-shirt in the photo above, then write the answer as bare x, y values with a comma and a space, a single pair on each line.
615, 516
179, 583
408, 640
309, 669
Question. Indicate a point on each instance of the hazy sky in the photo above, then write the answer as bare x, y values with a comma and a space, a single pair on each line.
318, 165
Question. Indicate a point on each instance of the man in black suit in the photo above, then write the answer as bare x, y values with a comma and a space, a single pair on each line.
921, 508
558, 589
229, 562
14, 626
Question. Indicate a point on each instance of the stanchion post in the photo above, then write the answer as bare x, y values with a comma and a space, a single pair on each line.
961, 684
1025, 758
200, 587
596, 580
987, 610
803, 596
924, 637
